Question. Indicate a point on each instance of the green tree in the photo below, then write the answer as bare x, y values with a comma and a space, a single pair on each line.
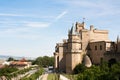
101, 72
44, 61
10, 59
115, 71
79, 68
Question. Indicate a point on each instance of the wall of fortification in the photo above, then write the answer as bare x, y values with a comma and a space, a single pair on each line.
97, 50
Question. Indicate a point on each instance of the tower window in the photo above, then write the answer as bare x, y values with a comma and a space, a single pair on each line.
100, 47
95, 47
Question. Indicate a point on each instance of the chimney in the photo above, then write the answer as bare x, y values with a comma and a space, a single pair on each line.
91, 27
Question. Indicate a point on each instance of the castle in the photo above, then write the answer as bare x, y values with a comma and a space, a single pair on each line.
92, 44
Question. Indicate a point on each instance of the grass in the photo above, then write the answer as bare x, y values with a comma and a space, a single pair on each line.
52, 76
55, 76
70, 76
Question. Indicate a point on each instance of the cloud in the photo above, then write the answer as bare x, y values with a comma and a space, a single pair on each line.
83, 3
93, 8
21, 24
37, 16
21, 33
13, 22
14, 30
6, 14
37, 24
61, 15
28, 36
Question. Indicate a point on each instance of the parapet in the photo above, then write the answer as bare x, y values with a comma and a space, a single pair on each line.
59, 44
64, 40
100, 31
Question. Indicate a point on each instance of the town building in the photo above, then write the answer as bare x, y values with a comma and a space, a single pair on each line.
87, 46
4, 63
21, 64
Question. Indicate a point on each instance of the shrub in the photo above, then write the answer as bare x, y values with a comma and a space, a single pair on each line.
79, 68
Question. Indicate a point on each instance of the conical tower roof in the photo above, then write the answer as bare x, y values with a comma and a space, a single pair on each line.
73, 30
118, 40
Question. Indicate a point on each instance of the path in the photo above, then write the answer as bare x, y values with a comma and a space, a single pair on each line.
63, 78
45, 77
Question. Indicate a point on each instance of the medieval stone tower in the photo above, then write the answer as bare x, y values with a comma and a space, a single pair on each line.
74, 55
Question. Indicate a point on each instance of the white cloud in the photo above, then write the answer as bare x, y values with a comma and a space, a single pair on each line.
37, 24
25, 23
61, 15
28, 36
19, 33
14, 30
37, 16
91, 8
84, 3
8, 14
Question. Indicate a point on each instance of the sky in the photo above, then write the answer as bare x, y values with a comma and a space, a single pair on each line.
31, 28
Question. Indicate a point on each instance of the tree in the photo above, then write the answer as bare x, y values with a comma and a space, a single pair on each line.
10, 59
115, 71
79, 68
44, 61
102, 72
111, 62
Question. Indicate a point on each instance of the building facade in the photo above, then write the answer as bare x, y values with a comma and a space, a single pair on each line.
82, 42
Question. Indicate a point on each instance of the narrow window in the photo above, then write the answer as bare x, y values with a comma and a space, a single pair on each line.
95, 47
100, 47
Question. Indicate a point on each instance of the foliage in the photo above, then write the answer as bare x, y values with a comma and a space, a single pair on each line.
79, 68
44, 61
10, 59
35, 75
7, 70
102, 72
111, 62
10, 72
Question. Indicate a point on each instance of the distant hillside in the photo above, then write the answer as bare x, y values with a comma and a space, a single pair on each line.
15, 57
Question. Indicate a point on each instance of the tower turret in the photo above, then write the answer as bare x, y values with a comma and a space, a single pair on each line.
118, 39
73, 38
80, 26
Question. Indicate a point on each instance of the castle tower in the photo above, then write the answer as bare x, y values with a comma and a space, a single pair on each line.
80, 26
73, 55
118, 44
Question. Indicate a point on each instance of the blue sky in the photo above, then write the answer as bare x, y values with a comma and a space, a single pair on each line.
32, 28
